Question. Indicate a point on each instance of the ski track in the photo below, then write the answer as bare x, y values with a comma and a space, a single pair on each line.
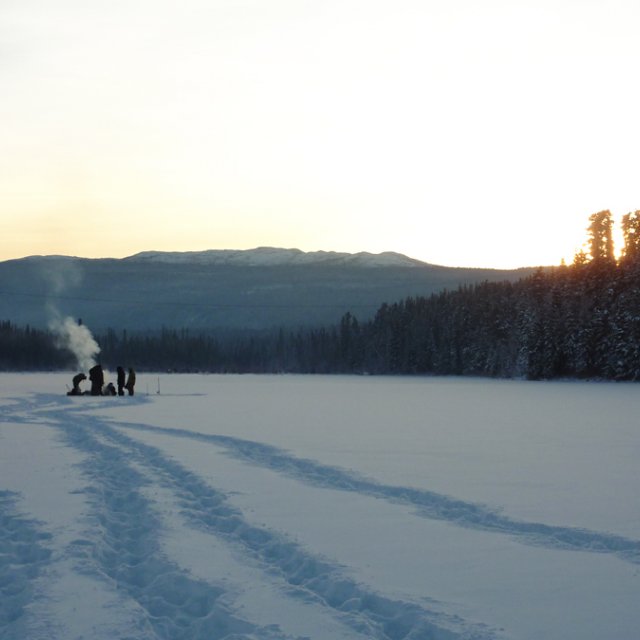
23, 554
178, 607
427, 503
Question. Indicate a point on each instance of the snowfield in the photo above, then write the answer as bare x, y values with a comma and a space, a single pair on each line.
323, 507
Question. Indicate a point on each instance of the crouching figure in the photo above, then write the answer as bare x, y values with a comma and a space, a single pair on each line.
77, 379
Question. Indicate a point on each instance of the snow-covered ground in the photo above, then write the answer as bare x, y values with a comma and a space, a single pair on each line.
332, 508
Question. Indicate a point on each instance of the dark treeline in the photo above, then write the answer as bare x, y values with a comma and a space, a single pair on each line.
29, 349
570, 322
580, 320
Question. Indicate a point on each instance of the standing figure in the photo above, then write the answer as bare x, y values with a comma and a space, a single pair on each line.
131, 381
120, 381
96, 376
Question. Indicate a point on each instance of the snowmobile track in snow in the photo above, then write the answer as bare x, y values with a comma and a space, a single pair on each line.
127, 551
23, 554
427, 503
123, 545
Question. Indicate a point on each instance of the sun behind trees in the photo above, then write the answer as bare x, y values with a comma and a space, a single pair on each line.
631, 235
600, 242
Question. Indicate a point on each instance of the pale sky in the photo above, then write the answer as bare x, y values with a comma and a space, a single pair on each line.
459, 132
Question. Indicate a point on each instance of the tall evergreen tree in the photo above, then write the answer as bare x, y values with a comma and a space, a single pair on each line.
601, 237
631, 235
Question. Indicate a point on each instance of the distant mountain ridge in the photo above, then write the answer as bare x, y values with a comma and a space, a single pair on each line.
272, 256
252, 289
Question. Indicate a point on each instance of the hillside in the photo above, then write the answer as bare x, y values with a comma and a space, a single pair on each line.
252, 289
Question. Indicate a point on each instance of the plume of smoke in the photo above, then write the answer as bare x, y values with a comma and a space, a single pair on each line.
61, 275
76, 338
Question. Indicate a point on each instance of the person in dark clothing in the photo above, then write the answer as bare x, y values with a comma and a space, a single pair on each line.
77, 379
120, 381
131, 381
96, 376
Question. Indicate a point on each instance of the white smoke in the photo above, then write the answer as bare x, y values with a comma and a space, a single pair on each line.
76, 338
62, 275
59, 276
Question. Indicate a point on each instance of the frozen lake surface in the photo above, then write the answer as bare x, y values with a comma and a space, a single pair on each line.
322, 507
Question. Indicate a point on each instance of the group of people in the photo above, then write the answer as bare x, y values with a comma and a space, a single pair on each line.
99, 388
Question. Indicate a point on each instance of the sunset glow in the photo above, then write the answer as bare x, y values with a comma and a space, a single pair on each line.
459, 133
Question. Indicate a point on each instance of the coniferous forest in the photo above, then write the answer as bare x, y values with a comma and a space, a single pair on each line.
573, 321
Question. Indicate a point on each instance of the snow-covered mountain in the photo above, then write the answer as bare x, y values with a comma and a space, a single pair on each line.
273, 256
